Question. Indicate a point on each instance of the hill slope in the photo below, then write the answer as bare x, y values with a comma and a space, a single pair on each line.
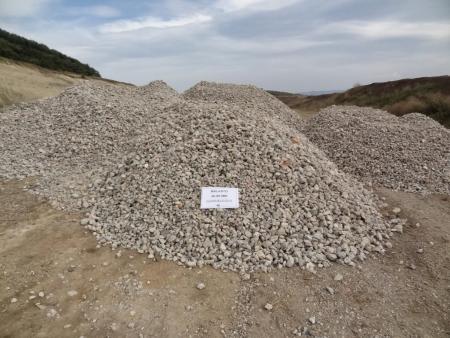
15, 47
24, 82
426, 95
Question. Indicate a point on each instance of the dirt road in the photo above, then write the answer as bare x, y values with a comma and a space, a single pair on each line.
55, 282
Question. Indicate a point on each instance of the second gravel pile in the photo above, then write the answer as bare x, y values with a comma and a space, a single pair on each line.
65, 139
409, 153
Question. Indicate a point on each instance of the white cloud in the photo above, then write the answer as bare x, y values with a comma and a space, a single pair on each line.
262, 47
98, 11
152, 22
262, 5
21, 8
391, 29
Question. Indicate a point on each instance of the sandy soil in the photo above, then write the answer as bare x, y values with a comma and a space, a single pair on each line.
404, 293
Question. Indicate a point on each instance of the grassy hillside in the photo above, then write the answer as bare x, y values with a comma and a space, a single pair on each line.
21, 82
17, 48
427, 95
24, 82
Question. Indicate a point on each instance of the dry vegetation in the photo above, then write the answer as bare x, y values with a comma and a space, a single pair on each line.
427, 95
25, 82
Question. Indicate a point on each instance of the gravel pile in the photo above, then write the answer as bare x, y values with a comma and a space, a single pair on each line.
409, 153
65, 139
135, 160
247, 97
296, 208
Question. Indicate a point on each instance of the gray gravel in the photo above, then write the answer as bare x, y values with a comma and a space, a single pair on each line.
136, 158
410, 153
296, 207
65, 139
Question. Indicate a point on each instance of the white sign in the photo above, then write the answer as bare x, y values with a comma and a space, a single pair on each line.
219, 198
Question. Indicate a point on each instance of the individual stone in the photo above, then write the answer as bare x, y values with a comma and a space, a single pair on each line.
338, 277
245, 276
52, 313
72, 293
412, 266
396, 210
40, 306
13, 300
311, 267
290, 262
398, 228
268, 306
201, 286
312, 320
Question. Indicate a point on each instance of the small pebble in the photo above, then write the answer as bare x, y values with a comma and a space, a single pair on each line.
338, 277
396, 210
312, 320
41, 294
311, 267
201, 286
13, 300
245, 276
420, 250
330, 290
268, 306
72, 293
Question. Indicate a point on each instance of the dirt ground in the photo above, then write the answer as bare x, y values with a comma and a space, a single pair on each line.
55, 282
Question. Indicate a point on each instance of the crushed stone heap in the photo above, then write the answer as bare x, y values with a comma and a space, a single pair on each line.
65, 139
296, 208
135, 159
409, 153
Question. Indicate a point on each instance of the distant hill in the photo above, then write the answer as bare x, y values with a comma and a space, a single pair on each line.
321, 92
426, 95
17, 48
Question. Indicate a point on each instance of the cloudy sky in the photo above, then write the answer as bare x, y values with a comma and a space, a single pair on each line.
293, 45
